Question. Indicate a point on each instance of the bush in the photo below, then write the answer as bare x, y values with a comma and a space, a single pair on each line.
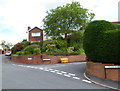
76, 40
60, 43
31, 49
25, 43
20, 53
70, 49
101, 42
16, 48
37, 51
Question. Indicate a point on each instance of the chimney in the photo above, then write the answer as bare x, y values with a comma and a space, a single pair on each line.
29, 28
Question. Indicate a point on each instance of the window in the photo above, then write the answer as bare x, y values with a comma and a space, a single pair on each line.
35, 34
35, 41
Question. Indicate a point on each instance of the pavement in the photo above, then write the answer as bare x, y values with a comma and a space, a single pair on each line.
103, 82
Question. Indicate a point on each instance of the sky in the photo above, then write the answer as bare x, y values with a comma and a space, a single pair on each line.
17, 15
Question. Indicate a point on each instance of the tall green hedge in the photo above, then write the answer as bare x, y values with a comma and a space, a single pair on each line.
101, 42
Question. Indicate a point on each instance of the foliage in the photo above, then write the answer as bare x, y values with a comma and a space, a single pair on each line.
16, 48
48, 45
6, 45
66, 19
14, 55
70, 49
31, 49
76, 40
101, 42
60, 43
37, 51
20, 53
118, 26
25, 43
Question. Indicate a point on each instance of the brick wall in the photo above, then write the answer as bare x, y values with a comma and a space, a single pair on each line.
113, 74
37, 59
99, 70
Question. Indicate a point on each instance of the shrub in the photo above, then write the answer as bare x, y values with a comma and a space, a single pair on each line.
31, 49
60, 43
101, 42
20, 53
16, 48
70, 49
37, 51
14, 55
76, 40
25, 43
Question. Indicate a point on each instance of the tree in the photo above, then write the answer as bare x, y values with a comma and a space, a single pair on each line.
66, 19
6, 45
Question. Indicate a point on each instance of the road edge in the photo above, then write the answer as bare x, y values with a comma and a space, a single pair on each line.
106, 86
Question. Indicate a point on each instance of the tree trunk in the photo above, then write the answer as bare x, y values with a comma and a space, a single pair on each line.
66, 36
66, 39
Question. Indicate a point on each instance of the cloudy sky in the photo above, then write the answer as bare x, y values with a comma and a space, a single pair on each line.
17, 15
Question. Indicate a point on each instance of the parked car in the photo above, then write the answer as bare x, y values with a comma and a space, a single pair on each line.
8, 54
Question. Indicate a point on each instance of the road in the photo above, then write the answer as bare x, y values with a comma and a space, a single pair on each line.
51, 76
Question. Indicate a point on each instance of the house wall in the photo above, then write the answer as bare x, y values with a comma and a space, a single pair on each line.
0, 51
38, 38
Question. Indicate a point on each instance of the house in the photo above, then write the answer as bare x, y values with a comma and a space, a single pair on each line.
35, 34
117, 22
1, 49
4, 49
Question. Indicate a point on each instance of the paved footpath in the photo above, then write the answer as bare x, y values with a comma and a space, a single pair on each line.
55, 76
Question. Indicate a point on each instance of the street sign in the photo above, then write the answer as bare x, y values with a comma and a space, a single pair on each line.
46, 59
29, 58
108, 67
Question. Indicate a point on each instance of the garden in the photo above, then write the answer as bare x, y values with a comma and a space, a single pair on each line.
73, 46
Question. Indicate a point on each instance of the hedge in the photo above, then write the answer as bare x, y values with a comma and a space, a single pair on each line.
101, 42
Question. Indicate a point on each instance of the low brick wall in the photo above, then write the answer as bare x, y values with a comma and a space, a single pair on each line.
28, 59
99, 70
38, 59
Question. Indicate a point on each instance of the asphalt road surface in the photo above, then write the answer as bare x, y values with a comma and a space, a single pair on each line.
51, 76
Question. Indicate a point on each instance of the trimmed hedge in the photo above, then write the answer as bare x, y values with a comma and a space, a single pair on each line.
101, 42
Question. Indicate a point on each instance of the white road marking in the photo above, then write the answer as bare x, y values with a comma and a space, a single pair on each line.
71, 74
57, 70
52, 71
32, 67
59, 73
63, 72
87, 81
40, 68
76, 78
67, 75
46, 70
28, 66
35, 67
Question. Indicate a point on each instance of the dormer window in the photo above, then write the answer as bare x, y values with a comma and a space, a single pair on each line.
36, 34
